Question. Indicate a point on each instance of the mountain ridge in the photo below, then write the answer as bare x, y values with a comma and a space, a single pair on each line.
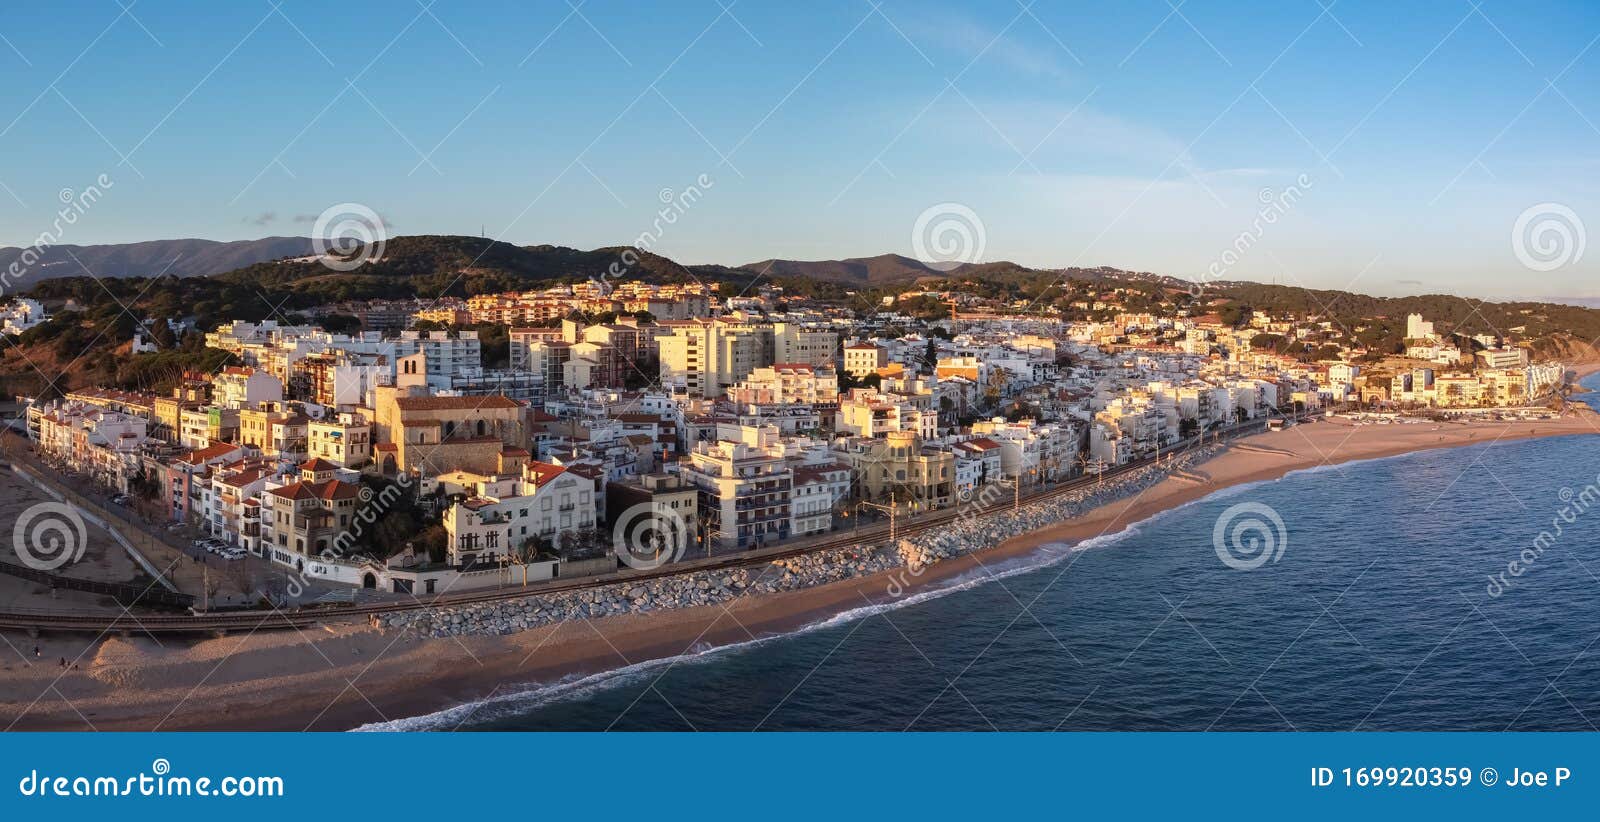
186, 257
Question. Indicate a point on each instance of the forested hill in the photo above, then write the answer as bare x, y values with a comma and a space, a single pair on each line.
1553, 328
89, 344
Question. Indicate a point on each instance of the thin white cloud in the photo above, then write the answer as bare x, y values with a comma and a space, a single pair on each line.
972, 40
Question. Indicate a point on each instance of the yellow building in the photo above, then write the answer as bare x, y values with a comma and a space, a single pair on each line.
899, 471
438, 434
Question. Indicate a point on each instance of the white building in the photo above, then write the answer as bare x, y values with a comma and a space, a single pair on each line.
514, 516
235, 387
745, 488
21, 314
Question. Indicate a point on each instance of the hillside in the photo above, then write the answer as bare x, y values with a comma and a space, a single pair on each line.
1555, 329
438, 266
179, 258
862, 272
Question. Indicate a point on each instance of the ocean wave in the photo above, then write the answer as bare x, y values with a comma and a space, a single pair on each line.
537, 695
575, 687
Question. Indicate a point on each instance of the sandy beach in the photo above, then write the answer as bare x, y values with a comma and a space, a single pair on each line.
341, 676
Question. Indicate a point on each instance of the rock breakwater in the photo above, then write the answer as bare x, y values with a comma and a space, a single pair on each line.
966, 534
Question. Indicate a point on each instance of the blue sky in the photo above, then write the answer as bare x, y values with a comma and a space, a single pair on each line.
1128, 134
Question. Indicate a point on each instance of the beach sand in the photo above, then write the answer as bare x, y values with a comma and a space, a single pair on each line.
341, 676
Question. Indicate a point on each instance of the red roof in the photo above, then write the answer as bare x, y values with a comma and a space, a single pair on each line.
330, 490
540, 473
491, 401
215, 450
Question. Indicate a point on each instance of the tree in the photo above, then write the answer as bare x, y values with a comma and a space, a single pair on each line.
494, 341
529, 549
1267, 342
848, 381
433, 540
162, 334
340, 323
584, 543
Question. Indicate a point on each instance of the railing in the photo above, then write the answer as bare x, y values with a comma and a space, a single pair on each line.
153, 596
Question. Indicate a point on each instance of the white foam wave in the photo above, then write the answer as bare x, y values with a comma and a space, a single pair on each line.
575, 687
533, 696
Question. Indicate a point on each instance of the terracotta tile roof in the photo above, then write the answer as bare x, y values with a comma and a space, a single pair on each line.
242, 478
588, 472
540, 473
215, 450
491, 401
330, 490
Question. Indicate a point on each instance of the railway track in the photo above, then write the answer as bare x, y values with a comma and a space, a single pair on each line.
222, 623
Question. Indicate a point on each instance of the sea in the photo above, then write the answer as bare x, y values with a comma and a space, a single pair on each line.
1452, 590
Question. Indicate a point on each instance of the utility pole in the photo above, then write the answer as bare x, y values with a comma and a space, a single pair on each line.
893, 514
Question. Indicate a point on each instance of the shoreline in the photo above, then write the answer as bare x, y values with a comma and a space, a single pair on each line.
365, 675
